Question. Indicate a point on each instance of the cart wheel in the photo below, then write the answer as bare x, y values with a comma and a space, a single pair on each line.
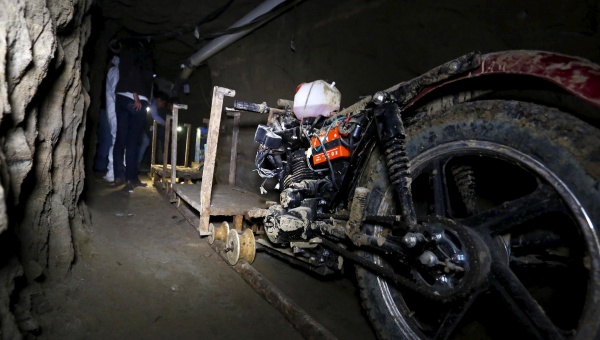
233, 247
247, 246
218, 233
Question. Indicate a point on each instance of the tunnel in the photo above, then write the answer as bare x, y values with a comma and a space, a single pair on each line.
84, 258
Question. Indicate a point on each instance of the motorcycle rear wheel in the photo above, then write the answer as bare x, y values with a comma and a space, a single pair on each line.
510, 151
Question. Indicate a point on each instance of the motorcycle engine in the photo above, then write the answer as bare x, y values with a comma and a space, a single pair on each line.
309, 159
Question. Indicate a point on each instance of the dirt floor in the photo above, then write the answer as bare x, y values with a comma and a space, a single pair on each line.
145, 273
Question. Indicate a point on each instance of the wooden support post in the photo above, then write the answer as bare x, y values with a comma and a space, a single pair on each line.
187, 144
153, 156
198, 146
176, 108
174, 123
166, 151
238, 222
234, 142
211, 155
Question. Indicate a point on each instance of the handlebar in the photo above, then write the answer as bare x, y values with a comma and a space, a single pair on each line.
248, 106
253, 107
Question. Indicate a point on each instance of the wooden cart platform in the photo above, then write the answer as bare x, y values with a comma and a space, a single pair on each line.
184, 173
199, 201
225, 201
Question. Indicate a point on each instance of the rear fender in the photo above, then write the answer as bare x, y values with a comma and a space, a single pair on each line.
577, 76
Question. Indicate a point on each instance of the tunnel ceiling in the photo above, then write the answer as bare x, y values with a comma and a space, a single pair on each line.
160, 16
172, 24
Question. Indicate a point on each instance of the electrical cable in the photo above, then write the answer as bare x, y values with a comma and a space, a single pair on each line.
328, 163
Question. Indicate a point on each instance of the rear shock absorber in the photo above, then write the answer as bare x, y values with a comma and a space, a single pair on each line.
464, 177
392, 135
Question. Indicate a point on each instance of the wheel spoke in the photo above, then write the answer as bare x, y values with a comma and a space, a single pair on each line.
499, 219
522, 303
454, 316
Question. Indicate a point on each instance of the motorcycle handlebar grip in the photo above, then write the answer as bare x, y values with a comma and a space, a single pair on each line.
247, 106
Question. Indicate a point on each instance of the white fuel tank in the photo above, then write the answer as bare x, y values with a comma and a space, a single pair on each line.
317, 98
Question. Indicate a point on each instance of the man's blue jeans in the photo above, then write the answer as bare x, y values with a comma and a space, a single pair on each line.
130, 126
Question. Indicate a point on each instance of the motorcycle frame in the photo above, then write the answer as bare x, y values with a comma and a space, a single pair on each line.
576, 76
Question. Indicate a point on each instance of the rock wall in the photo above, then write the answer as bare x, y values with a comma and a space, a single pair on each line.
43, 104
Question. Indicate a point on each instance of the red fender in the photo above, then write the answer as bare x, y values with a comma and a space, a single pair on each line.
575, 75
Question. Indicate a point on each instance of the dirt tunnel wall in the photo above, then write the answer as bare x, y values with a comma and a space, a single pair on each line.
43, 105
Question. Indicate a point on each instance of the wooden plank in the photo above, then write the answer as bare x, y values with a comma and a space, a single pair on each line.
234, 142
187, 144
198, 146
174, 124
189, 193
187, 212
166, 150
211, 155
176, 108
226, 200
153, 156
181, 171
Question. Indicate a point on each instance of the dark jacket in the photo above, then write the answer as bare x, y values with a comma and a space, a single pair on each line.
135, 69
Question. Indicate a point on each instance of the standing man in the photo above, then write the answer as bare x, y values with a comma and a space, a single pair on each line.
133, 90
112, 79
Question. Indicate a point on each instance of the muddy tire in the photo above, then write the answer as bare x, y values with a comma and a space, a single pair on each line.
508, 152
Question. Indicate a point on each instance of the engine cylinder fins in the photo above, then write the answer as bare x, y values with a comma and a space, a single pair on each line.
218, 233
299, 170
240, 246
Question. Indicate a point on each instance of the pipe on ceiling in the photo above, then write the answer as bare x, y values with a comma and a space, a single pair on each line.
220, 43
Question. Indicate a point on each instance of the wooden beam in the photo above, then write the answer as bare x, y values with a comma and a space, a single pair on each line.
234, 142
153, 156
166, 151
211, 155
176, 108
238, 222
198, 145
174, 123
187, 144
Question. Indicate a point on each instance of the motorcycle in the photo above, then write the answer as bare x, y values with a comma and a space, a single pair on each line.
467, 198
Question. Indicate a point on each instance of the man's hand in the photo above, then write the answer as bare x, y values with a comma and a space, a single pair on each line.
138, 104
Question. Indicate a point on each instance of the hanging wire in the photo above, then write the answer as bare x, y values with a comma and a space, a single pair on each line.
261, 154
